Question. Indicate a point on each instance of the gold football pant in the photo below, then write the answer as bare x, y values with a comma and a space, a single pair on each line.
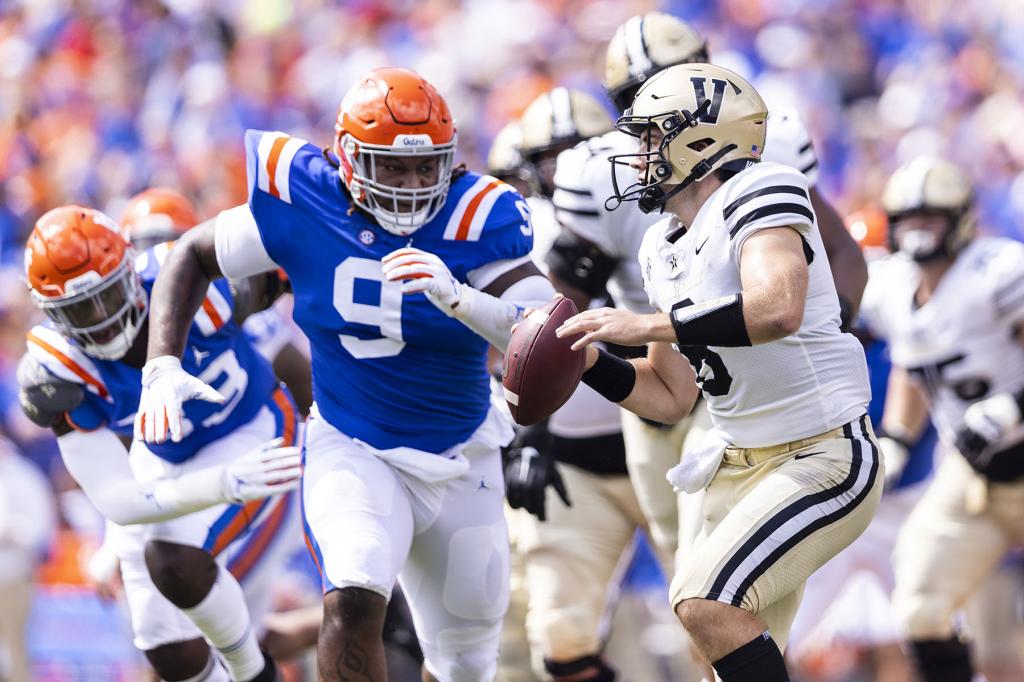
774, 515
951, 542
573, 558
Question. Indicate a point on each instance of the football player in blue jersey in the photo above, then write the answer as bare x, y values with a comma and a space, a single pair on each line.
158, 215
403, 269
82, 377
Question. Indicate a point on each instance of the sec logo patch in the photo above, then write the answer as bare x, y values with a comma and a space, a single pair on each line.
367, 237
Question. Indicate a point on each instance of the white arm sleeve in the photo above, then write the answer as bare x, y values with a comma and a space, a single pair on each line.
492, 318
238, 244
99, 462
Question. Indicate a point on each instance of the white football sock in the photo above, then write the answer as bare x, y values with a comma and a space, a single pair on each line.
223, 618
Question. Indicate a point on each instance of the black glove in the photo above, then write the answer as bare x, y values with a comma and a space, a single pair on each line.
971, 445
530, 469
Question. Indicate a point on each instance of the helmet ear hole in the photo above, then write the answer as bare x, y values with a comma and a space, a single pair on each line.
700, 144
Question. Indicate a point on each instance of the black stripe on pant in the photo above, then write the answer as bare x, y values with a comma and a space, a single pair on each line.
793, 510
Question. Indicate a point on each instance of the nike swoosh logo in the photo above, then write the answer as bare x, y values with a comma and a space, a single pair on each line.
808, 454
697, 252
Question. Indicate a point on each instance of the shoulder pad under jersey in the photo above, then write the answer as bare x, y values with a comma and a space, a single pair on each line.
43, 396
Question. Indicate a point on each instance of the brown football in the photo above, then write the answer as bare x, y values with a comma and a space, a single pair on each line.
541, 371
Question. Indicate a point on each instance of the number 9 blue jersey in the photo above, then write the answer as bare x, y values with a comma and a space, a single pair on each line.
388, 369
217, 351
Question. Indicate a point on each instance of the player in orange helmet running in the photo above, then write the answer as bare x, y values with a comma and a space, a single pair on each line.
157, 215
81, 378
403, 273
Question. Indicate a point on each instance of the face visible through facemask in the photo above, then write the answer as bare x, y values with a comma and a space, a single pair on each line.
405, 172
921, 235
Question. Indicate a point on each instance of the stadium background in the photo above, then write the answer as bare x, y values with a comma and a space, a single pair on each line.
102, 98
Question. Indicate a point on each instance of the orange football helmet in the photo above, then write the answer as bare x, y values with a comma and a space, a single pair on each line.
869, 227
393, 112
157, 215
81, 271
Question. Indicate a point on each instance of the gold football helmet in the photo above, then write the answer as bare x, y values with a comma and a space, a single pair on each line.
644, 45
505, 159
926, 187
557, 120
691, 119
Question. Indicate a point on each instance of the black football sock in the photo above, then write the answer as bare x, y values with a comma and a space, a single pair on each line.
942, 660
759, 660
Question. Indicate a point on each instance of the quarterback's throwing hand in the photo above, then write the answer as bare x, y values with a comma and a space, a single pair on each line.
165, 386
607, 324
424, 272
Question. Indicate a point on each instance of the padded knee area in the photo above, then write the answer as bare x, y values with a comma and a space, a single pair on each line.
468, 654
183, 574
924, 616
601, 671
564, 634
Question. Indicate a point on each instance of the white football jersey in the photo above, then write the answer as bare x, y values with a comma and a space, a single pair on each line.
583, 181
960, 345
586, 414
799, 386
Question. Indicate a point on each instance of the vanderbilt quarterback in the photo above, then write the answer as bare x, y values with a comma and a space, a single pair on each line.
403, 269
951, 306
81, 377
791, 468
598, 249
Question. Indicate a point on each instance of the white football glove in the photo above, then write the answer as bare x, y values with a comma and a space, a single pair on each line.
268, 470
986, 422
424, 272
895, 455
165, 386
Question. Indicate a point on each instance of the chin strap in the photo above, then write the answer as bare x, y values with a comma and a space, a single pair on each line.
651, 198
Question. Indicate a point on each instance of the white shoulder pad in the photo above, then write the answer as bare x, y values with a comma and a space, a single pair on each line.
766, 195
238, 244
65, 360
788, 142
583, 182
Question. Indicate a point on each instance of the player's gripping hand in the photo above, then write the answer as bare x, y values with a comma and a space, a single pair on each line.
165, 386
986, 422
895, 454
529, 472
268, 470
424, 272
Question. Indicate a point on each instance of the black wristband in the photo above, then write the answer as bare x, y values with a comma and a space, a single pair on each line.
845, 314
714, 323
610, 376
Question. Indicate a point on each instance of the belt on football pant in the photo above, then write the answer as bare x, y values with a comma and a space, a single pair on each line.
748, 457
